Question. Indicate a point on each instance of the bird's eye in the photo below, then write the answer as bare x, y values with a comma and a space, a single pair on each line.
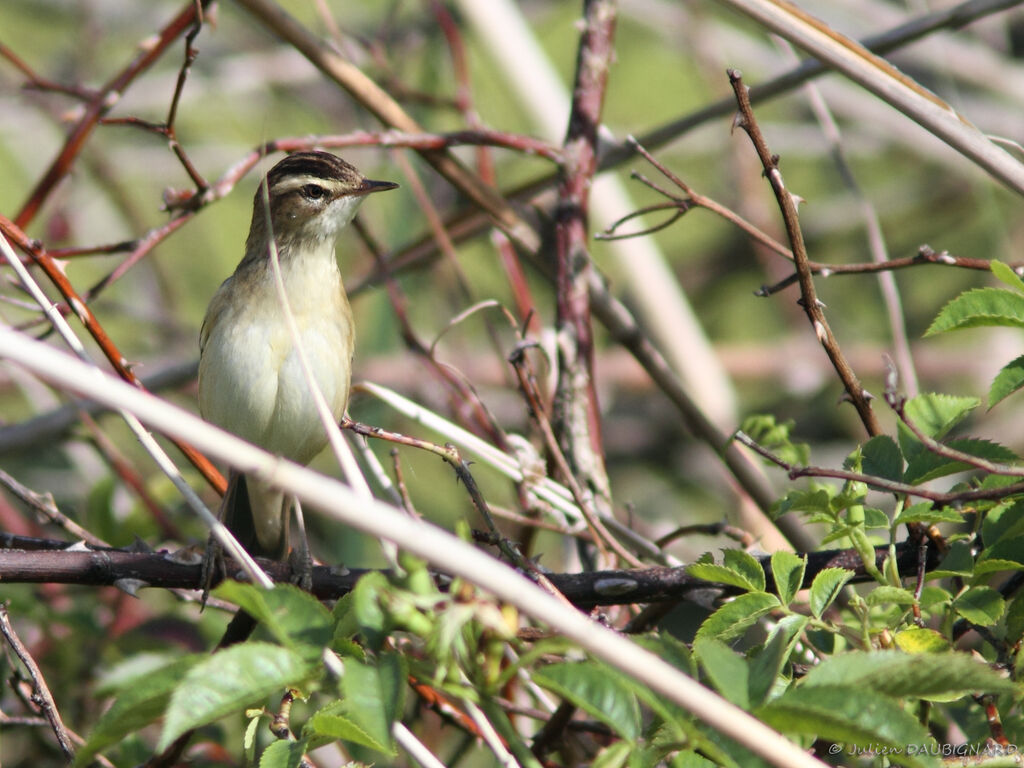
313, 192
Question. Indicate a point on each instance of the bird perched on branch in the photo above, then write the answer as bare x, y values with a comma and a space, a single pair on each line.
251, 379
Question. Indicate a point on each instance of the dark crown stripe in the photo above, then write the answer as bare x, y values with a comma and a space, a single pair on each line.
322, 165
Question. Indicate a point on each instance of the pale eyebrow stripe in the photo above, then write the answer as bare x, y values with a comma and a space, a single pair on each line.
296, 182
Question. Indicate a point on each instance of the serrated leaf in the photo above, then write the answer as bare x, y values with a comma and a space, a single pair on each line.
925, 465
1006, 275
848, 715
747, 566
817, 499
230, 680
980, 307
1003, 523
1006, 550
826, 587
775, 437
335, 725
374, 695
875, 518
767, 665
689, 759
934, 414
881, 457
295, 618
898, 674
601, 695
995, 565
614, 755
366, 609
136, 706
1009, 379
727, 670
886, 595
788, 573
1015, 620
921, 640
720, 574
980, 605
959, 561
932, 595
733, 618
283, 753
925, 512
669, 649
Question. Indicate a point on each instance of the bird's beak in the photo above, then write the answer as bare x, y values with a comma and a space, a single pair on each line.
369, 186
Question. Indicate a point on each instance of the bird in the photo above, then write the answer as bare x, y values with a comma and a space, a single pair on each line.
251, 381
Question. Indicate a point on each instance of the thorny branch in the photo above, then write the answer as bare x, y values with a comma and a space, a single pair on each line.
41, 695
106, 97
21, 561
941, 498
809, 298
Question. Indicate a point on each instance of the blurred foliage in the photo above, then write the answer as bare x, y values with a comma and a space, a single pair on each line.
246, 87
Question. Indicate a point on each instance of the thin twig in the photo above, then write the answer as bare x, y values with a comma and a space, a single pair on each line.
924, 255
882, 484
85, 315
44, 505
41, 695
809, 297
527, 385
106, 97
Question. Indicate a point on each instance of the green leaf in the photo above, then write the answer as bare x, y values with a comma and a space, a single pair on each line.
332, 724
374, 696
733, 618
886, 595
295, 618
980, 605
1003, 523
747, 566
909, 675
774, 436
615, 755
768, 664
669, 649
727, 670
139, 703
848, 715
229, 681
788, 572
1006, 275
689, 759
875, 518
925, 465
1015, 620
959, 561
826, 587
367, 611
934, 415
601, 695
921, 640
1007, 381
721, 574
816, 499
980, 307
881, 457
925, 512
283, 753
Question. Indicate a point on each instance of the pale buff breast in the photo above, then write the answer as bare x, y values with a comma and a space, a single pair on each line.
251, 381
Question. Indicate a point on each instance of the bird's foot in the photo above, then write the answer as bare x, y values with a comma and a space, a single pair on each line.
301, 563
214, 569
